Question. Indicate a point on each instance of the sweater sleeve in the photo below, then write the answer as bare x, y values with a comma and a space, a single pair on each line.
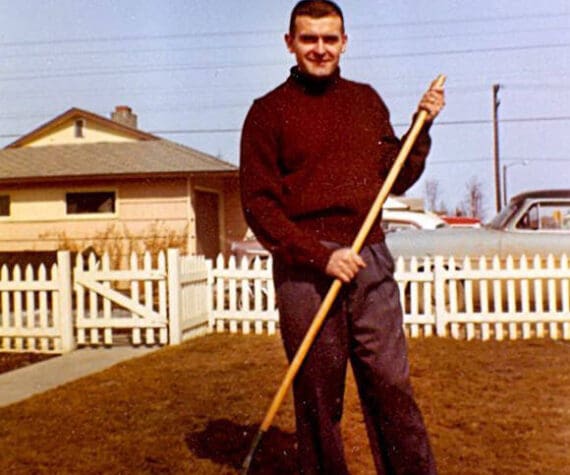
415, 162
262, 194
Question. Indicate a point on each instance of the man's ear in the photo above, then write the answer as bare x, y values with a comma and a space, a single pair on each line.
289, 42
344, 43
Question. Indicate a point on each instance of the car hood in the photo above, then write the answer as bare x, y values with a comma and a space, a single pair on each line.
457, 242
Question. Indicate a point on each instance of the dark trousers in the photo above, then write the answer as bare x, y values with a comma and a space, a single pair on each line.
365, 326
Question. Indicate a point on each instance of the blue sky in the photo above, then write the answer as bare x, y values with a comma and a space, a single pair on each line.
190, 70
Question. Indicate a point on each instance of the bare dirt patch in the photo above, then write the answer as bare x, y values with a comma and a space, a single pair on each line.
490, 408
11, 361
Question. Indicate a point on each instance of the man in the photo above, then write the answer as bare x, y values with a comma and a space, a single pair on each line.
314, 154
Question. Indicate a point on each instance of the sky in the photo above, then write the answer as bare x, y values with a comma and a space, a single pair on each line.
190, 70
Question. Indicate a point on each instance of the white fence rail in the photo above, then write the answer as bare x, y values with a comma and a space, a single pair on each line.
518, 298
35, 308
171, 298
486, 299
128, 303
190, 303
243, 296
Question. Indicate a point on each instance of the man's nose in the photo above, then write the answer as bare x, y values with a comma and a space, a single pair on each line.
320, 46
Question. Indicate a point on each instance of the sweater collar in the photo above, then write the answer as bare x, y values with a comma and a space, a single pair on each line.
314, 85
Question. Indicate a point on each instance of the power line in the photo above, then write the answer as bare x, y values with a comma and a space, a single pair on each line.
498, 49
113, 71
465, 34
209, 34
513, 120
485, 19
403, 124
503, 159
442, 123
196, 131
257, 45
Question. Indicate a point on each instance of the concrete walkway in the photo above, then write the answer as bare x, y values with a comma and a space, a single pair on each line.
22, 383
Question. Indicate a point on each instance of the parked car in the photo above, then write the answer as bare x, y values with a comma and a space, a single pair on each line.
250, 247
535, 222
400, 214
397, 214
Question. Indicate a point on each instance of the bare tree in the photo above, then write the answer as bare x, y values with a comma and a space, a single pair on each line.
442, 208
431, 194
472, 205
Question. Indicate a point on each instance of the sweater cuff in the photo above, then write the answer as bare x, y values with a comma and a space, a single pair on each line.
427, 124
321, 258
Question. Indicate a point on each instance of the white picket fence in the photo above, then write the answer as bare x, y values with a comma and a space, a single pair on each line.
243, 296
153, 302
149, 303
486, 299
172, 298
35, 306
189, 296
518, 298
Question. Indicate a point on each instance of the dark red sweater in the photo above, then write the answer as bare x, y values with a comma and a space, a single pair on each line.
314, 154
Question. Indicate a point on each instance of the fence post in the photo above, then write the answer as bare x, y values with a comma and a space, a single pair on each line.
439, 293
210, 294
174, 297
66, 322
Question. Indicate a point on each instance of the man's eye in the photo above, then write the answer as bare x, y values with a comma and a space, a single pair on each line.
309, 39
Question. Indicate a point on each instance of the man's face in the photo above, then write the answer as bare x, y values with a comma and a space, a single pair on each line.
317, 44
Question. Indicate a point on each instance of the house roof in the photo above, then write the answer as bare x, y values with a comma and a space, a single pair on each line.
156, 157
75, 113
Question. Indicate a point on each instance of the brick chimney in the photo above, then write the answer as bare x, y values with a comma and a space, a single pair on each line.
124, 115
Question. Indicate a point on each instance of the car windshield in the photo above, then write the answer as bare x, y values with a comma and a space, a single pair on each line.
499, 221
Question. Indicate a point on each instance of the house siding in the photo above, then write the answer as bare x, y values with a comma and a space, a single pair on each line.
146, 210
92, 133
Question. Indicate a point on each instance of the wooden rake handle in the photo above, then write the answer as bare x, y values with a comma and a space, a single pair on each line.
335, 287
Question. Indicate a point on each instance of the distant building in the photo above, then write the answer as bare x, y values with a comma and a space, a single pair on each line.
82, 180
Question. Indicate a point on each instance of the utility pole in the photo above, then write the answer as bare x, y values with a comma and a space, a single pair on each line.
496, 103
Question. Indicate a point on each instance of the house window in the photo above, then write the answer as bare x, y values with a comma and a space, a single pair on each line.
4, 205
79, 125
90, 202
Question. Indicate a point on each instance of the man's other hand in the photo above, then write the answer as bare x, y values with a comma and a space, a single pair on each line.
432, 102
344, 264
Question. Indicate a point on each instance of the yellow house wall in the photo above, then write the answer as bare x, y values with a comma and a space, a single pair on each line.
38, 219
65, 135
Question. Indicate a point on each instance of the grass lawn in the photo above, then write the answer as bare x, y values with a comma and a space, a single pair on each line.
490, 407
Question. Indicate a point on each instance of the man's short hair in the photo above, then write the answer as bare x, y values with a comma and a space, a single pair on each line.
315, 9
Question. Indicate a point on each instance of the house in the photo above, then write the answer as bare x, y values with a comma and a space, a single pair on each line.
83, 181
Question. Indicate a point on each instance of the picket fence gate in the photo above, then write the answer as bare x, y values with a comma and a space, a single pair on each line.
171, 298
111, 302
154, 301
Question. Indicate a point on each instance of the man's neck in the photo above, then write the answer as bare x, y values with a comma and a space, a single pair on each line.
314, 84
